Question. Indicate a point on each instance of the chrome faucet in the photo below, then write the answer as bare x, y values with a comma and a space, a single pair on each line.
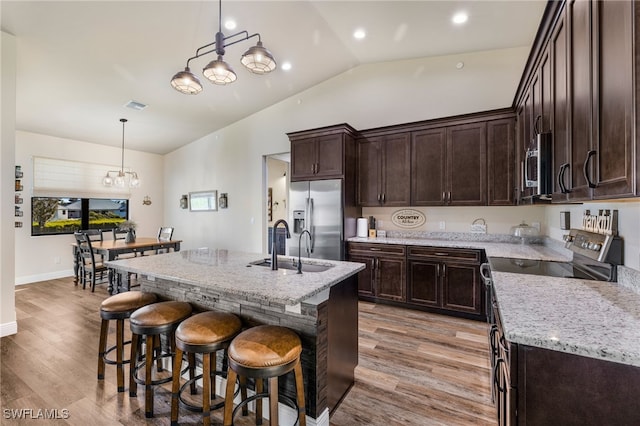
300, 247
274, 255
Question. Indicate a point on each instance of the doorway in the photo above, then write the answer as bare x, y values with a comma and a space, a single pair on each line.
276, 185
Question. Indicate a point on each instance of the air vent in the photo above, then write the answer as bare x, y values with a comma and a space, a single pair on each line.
139, 106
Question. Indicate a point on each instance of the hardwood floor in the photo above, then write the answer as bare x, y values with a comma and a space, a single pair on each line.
415, 368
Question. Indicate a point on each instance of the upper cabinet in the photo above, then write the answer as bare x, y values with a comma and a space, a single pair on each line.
500, 160
324, 153
586, 51
383, 170
449, 166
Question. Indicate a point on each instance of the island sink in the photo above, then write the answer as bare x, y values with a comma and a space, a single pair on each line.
291, 265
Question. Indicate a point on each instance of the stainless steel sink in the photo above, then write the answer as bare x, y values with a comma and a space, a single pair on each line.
288, 264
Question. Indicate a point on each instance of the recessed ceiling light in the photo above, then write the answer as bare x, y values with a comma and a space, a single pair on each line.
460, 18
230, 24
359, 34
286, 66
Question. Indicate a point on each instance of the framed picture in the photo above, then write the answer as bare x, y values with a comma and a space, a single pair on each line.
203, 201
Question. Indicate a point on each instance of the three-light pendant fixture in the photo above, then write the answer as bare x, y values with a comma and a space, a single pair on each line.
256, 59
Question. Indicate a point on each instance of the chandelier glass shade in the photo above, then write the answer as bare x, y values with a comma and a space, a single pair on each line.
256, 59
118, 178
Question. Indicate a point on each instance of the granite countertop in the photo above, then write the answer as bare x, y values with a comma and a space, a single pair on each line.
231, 272
491, 248
590, 318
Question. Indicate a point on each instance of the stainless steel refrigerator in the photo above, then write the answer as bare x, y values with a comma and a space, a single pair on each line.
317, 206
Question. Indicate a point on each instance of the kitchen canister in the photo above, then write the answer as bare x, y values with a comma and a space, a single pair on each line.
362, 227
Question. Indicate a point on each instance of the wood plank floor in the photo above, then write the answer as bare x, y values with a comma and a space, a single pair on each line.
415, 368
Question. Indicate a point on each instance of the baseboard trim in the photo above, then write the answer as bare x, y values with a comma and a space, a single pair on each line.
9, 328
29, 279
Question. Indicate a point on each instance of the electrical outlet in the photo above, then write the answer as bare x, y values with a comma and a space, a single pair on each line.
442, 225
56, 260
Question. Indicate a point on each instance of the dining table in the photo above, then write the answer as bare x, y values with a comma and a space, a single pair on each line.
111, 249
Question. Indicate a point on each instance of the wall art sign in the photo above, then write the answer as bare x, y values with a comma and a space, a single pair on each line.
408, 218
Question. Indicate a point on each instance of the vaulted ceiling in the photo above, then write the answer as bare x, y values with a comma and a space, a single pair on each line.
80, 62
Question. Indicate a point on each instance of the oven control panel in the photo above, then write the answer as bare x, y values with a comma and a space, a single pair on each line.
603, 248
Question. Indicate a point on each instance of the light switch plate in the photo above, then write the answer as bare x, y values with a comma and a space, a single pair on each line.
478, 228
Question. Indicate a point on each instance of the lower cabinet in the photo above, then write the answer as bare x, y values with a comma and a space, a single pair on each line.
442, 280
384, 276
447, 279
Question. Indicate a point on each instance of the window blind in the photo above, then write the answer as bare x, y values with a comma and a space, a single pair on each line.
65, 178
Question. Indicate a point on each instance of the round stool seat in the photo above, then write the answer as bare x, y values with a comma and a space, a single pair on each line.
265, 346
205, 331
125, 303
159, 317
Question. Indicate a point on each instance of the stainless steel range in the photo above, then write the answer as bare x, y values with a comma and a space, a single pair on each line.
595, 257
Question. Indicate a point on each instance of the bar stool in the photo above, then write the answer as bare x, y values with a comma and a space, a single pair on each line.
205, 333
119, 308
153, 321
265, 352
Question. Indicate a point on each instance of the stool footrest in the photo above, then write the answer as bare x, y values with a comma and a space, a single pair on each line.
111, 349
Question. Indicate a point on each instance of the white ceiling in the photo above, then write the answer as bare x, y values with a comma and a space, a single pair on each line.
80, 62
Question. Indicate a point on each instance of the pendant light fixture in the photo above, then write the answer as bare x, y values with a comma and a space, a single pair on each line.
121, 175
256, 59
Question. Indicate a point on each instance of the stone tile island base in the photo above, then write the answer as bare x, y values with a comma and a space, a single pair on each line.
326, 322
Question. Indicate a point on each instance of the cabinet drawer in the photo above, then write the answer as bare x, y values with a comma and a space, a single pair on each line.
377, 249
446, 254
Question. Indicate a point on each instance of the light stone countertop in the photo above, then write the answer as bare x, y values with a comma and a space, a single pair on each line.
229, 272
590, 318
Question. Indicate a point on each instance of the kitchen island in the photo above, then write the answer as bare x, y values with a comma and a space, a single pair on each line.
322, 307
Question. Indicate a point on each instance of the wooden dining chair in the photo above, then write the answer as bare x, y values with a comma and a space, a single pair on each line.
89, 267
94, 235
164, 234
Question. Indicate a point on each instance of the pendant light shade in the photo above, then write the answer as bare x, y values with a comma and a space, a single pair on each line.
219, 72
258, 60
187, 83
120, 178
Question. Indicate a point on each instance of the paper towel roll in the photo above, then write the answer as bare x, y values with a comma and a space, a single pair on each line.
362, 227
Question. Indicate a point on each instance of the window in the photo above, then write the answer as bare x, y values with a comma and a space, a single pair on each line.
60, 215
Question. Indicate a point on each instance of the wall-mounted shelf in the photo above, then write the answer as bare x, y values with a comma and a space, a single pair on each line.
19, 199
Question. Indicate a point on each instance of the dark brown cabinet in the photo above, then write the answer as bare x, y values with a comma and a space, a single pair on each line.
383, 170
587, 53
449, 166
501, 147
446, 279
384, 276
324, 153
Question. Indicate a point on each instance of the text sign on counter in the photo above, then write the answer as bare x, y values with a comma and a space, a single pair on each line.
408, 218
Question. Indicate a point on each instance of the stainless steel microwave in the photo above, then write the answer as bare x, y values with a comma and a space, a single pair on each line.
538, 166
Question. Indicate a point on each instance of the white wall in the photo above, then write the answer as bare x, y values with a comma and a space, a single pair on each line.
368, 96
51, 249
8, 324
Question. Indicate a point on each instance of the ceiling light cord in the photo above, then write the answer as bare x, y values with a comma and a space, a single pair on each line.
256, 59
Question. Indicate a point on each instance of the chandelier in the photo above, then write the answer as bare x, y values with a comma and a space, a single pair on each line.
121, 175
256, 59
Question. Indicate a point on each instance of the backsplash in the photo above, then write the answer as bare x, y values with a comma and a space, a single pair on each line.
465, 236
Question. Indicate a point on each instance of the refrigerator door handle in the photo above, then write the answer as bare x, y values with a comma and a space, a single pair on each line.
311, 226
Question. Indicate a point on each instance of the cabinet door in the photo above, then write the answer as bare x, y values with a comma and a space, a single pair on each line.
390, 278
580, 84
500, 162
614, 94
428, 154
467, 164
396, 165
369, 172
330, 155
559, 129
423, 283
365, 277
461, 288
303, 159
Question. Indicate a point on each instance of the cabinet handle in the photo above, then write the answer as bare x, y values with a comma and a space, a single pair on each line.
586, 169
444, 270
439, 253
563, 169
383, 197
374, 249
444, 196
379, 198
